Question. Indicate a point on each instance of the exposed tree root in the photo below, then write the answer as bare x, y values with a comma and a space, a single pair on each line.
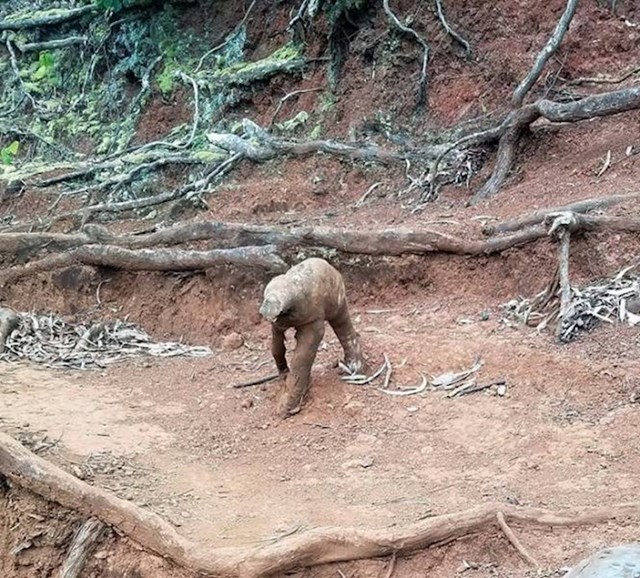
264, 257
450, 31
512, 127
547, 52
318, 546
422, 84
382, 242
47, 18
261, 146
538, 217
82, 215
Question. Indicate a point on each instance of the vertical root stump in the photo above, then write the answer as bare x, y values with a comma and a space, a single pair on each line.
318, 546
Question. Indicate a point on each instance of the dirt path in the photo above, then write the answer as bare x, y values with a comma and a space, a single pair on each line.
173, 436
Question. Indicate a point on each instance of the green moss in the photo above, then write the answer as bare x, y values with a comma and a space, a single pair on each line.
209, 157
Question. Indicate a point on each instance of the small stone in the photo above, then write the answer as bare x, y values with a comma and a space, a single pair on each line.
502, 390
412, 409
246, 403
101, 555
366, 462
232, 341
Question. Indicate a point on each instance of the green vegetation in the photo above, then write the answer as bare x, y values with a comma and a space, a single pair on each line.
8, 153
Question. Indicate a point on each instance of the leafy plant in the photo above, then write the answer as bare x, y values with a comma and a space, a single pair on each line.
46, 65
8, 153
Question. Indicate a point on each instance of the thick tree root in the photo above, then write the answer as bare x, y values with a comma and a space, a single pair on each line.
256, 245
264, 257
318, 546
541, 216
512, 127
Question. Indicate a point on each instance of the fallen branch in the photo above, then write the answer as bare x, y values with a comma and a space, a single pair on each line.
318, 546
264, 257
582, 206
256, 381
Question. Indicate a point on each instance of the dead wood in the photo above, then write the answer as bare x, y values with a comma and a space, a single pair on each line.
264, 257
318, 546
9, 320
582, 206
84, 542
256, 381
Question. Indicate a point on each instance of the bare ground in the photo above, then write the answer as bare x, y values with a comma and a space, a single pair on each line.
174, 437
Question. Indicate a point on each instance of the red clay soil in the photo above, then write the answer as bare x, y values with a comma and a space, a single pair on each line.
172, 434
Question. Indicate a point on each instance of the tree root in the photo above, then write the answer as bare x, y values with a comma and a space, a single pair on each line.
82, 546
381, 242
547, 52
82, 215
508, 532
422, 84
450, 31
261, 146
512, 127
47, 18
541, 216
318, 546
264, 257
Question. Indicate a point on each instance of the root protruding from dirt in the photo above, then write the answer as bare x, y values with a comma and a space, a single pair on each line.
318, 546
264, 257
257, 245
